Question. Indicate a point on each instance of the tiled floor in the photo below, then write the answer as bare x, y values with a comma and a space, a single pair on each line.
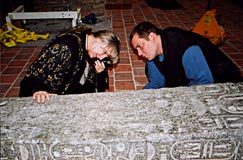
129, 74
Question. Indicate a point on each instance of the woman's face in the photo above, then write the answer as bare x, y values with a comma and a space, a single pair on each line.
98, 50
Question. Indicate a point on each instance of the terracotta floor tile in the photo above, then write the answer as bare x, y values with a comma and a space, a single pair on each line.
4, 88
236, 56
139, 71
6, 60
124, 85
123, 68
239, 62
14, 92
123, 76
140, 80
124, 60
7, 78
3, 66
111, 88
111, 81
124, 54
19, 63
138, 63
12, 70
8, 54
23, 56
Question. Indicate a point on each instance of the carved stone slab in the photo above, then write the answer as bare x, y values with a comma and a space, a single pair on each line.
202, 122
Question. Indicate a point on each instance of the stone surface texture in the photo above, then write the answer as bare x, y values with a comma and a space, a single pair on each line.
201, 122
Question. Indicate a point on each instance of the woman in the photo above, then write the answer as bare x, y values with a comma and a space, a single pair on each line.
71, 64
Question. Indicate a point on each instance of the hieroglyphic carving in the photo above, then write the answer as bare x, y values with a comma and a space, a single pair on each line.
214, 149
202, 122
127, 150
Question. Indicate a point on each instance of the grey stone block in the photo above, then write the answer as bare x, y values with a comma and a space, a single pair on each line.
201, 122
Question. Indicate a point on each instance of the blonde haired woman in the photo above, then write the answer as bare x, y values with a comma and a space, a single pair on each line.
72, 64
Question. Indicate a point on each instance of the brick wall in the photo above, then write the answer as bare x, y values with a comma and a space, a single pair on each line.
87, 6
7, 6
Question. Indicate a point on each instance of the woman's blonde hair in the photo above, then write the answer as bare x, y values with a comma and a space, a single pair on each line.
112, 41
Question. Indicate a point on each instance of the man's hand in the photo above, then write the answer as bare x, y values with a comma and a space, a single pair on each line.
42, 96
99, 66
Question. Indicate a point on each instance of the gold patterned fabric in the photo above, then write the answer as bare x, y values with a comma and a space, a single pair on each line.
60, 66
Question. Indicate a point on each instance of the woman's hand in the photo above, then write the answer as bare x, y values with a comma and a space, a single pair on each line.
42, 96
99, 66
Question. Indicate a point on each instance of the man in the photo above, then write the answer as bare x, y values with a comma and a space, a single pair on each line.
178, 57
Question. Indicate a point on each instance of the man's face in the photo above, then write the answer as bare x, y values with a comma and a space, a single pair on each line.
145, 47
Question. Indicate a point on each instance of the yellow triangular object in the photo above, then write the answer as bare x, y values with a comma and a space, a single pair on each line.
209, 27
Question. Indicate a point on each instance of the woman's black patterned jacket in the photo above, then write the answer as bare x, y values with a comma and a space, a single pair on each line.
60, 66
